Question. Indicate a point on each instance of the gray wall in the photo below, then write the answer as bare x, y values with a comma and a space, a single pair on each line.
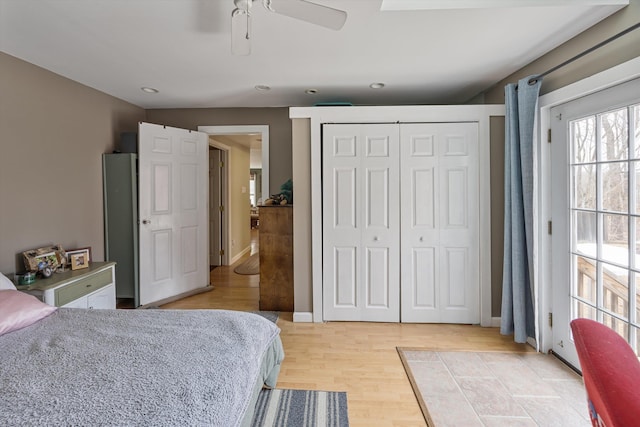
301, 151
53, 132
277, 119
496, 174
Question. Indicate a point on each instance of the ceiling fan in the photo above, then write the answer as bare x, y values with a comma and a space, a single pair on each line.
299, 9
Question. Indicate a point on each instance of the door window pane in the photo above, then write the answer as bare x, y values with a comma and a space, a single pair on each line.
585, 233
614, 135
586, 279
620, 326
615, 186
615, 289
584, 311
615, 237
636, 174
583, 135
584, 178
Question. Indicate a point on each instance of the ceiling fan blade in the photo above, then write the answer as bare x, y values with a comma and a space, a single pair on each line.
240, 32
310, 12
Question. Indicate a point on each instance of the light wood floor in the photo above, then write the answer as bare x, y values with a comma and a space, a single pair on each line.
359, 358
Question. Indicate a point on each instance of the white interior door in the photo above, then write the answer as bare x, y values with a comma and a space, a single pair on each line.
361, 222
440, 257
173, 206
215, 207
595, 197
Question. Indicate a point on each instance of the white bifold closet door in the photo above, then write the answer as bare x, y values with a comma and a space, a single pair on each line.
361, 224
440, 264
400, 222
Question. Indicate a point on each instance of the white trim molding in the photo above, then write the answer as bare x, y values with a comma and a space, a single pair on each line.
302, 317
386, 114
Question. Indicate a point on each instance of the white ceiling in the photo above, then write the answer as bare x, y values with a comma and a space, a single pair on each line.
182, 48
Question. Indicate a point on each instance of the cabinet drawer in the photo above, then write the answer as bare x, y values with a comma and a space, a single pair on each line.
82, 287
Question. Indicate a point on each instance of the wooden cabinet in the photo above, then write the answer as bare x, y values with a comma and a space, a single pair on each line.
93, 287
276, 258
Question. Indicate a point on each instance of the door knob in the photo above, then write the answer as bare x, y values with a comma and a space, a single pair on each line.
375, 238
146, 221
421, 239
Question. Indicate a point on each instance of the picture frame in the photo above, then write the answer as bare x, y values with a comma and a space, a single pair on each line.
79, 260
84, 251
48, 256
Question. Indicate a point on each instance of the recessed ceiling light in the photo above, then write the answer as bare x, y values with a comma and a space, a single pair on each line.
311, 91
149, 89
262, 87
376, 85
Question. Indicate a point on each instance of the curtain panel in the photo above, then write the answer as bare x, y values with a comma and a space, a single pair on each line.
518, 301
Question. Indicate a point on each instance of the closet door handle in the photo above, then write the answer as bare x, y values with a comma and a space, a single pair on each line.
375, 238
421, 239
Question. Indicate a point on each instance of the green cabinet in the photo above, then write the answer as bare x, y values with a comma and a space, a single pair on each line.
120, 181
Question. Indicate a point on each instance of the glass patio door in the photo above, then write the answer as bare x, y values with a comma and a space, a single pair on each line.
596, 214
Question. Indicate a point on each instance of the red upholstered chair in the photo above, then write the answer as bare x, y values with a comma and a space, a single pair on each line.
611, 374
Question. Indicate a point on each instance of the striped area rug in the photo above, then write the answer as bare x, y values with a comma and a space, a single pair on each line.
301, 408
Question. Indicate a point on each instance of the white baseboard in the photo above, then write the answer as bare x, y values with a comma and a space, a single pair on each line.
495, 322
303, 317
240, 255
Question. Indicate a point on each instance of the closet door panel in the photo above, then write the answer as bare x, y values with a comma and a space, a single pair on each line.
447, 152
459, 223
360, 212
419, 189
380, 234
341, 223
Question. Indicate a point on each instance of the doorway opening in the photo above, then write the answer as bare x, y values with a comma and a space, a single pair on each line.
251, 141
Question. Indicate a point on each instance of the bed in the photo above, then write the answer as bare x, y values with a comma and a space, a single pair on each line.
132, 367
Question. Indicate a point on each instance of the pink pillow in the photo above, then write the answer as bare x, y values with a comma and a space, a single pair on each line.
19, 310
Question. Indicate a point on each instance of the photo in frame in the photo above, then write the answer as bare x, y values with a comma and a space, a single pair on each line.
84, 251
79, 260
46, 257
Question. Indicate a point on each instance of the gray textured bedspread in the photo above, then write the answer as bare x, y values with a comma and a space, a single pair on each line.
136, 367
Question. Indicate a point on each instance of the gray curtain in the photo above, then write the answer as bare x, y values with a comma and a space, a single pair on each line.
517, 285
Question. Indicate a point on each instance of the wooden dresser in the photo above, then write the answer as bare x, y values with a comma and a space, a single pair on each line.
276, 258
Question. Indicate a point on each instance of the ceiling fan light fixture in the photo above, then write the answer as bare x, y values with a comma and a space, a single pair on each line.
308, 11
149, 89
376, 85
303, 10
311, 91
241, 30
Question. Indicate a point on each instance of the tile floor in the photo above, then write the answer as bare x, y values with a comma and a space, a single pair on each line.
498, 389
